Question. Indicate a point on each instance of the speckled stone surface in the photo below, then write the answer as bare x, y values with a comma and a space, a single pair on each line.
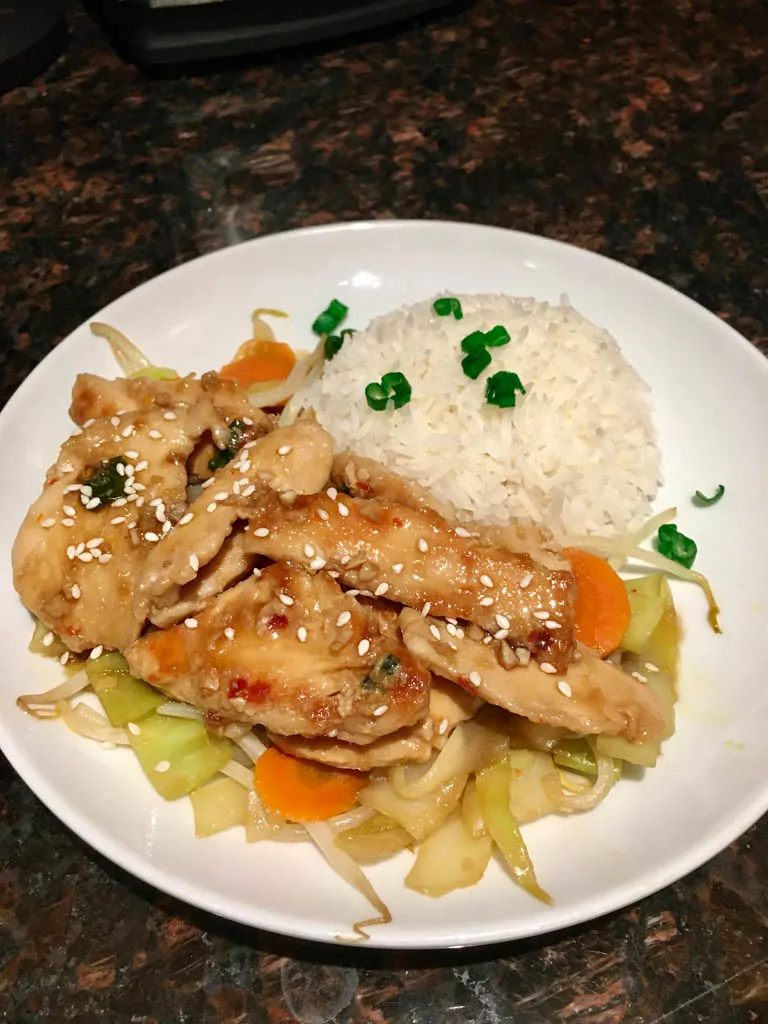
639, 130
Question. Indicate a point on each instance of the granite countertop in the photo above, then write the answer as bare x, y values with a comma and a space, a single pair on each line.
637, 130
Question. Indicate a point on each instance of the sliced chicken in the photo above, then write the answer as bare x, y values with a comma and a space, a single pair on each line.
76, 558
592, 696
366, 478
448, 706
418, 559
287, 462
290, 651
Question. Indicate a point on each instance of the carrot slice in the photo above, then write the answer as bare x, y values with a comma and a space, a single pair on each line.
259, 361
302, 790
601, 610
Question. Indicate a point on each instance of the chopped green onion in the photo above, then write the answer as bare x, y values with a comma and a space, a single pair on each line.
702, 499
474, 342
225, 455
675, 545
393, 385
501, 387
332, 345
330, 318
107, 483
347, 332
377, 397
399, 387
444, 307
474, 364
497, 335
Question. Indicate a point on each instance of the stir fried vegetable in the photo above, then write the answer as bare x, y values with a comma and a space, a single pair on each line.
124, 698
601, 609
376, 838
220, 805
702, 499
258, 362
676, 546
450, 858
302, 790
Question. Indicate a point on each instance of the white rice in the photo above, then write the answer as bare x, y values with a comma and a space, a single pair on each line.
578, 452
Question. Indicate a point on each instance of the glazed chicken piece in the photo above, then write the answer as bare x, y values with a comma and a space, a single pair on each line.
591, 696
290, 651
418, 559
366, 478
293, 460
448, 706
76, 558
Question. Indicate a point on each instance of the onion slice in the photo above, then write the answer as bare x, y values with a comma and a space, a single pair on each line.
176, 709
238, 773
596, 793
89, 723
129, 357
251, 745
348, 869
44, 705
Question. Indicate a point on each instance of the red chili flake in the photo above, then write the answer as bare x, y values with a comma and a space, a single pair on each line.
466, 684
277, 622
364, 487
254, 693
397, 522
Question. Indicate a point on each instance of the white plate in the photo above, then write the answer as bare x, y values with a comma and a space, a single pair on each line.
710, 388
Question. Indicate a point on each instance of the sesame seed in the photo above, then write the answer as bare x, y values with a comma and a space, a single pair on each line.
552, 624
48, 639
453, 622
194, 563
474, 678
442, 729
162, 766
502, 621
459, 633
434, 631
523, 655
212, 507
103, 559
71, 552
141, 465
345, 560
640, 678
96, 652
86, 556
67, 522
75, 591
284, 450
353, 593
286, 599
450, 629
118, 503
117, 520
546, 667
152, 538
309, 551
651, 667
261, 532
120, 469
131, 455
93, 503
127, 432
332, 493
486, 602
564, 688
208, 483
422, 545
229, 633
525, 580
186, 518
115, 421
323, 514
190, 623
333, 574
382, 710
169, 415
134, 729
344, 618
129, 471
363, 647
80, 548
86, 490
381, 590
94, 542
68, 510
461, 532
302, 634
316, 564
48, 523
96, 552
160, 515
541, 614
64, 658
221, 496
156, 435
250, 489
343, 510
486, 581
256, 572
426, 608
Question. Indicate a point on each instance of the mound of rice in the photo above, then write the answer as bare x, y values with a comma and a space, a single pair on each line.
578, 452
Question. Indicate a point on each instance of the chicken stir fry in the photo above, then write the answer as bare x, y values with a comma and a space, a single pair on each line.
252, 573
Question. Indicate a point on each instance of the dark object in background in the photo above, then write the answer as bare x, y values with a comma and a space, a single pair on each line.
32, 35
183, 31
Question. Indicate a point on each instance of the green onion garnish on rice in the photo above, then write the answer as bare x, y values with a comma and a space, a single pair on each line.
446, 306
474, 342
330, 318
501, 389
474, 364
675, 545
497, 336
702, 499
393, 386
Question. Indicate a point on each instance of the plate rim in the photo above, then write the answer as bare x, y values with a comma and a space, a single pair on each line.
144, 869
